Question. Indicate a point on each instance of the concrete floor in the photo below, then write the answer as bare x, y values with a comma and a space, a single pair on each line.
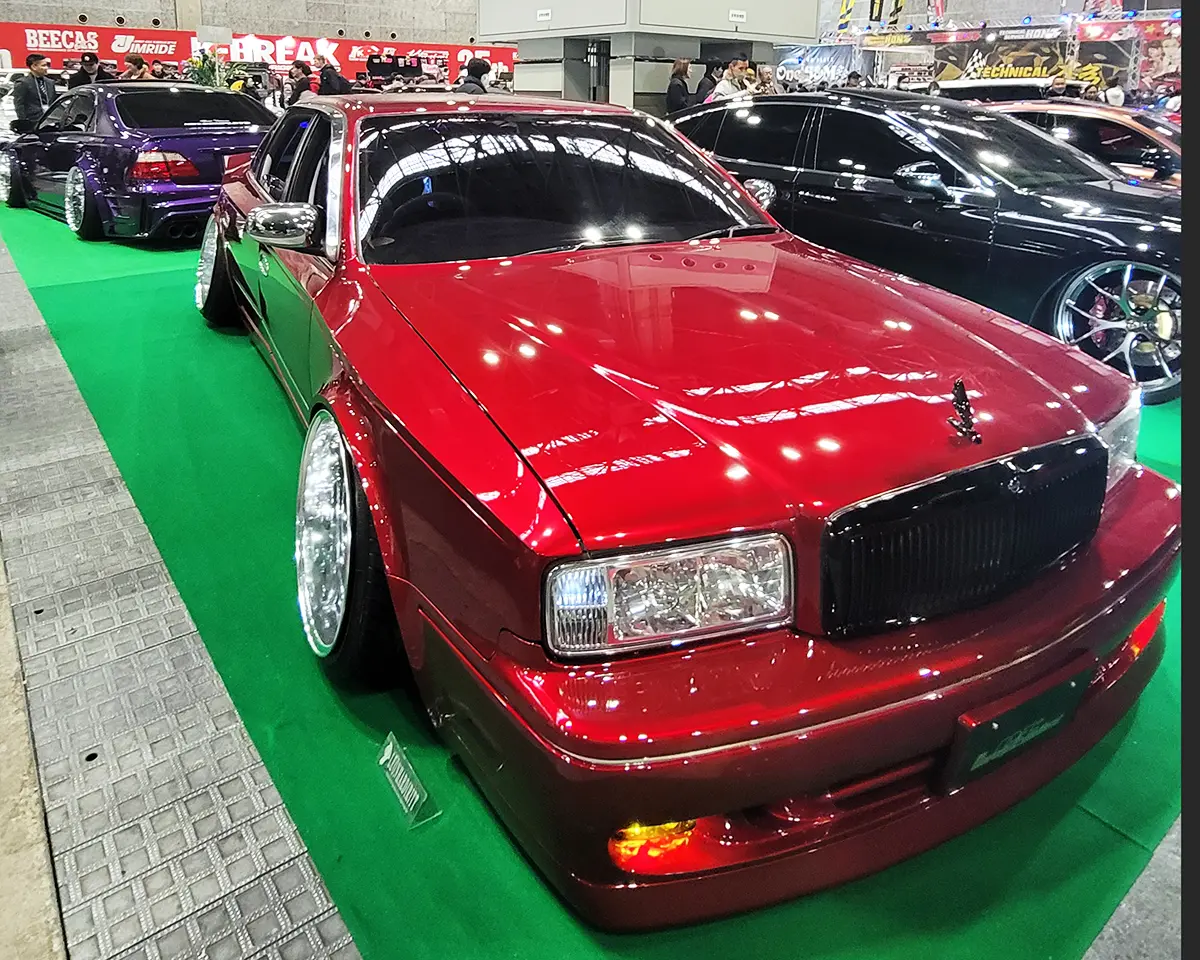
138, 820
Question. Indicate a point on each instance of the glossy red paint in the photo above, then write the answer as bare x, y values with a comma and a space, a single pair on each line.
505, 415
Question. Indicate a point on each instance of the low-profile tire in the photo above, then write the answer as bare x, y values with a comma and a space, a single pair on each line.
80, 208
215, 298
345, 605
10, 182
1125, 313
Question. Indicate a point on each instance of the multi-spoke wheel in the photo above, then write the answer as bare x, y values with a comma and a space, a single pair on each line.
79, 207
345, 605
1128, 315
10, 188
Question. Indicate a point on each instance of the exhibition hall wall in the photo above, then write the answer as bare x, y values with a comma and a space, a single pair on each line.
426, 20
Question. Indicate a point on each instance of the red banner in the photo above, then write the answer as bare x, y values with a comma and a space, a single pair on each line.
62, 43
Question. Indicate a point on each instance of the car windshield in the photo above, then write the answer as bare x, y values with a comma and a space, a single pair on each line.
1012, 152
173, 108
435, 189
1164, 128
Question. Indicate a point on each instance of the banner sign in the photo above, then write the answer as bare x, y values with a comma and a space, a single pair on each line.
64, 44
1104, 64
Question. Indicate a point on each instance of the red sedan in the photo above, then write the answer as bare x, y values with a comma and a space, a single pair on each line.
731, 567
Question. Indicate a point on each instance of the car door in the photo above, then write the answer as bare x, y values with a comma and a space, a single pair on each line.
757, 143
35, 148
852, 203
291, 279
62, 146
266, 184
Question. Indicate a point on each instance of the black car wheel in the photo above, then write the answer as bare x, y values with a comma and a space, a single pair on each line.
345, 605
214, 288
79, 207
10, 181
1128, 315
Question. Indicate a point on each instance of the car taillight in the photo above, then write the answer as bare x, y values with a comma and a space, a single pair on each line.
163, 165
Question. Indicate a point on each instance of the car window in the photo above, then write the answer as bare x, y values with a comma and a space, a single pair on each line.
1041, 119
1164, 128
80, 110
1121, 144
702, 129
310, 173
447, 188
274, 160
849, 142
180, 107
763, 133
55, 117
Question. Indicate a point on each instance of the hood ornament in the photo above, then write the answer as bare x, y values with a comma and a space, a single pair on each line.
964, 421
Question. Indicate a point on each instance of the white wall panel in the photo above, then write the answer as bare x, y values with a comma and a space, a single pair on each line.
513, 17
786, 18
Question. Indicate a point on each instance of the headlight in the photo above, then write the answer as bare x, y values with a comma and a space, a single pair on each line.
1120, 435
664, 597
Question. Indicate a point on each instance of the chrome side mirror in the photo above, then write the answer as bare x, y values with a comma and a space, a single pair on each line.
289, 225
761, 190
922, 177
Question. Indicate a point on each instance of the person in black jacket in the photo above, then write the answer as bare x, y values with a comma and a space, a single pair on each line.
473, 84
712, 74
90, 71
300, 74
331, 81
678, 94
33, 93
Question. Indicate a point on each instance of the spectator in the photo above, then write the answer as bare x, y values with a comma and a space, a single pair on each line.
157, 71
90, 71
854, 79
735, 81
33, 93
712, 76
474, 85
764, 81
1058, 87
935, 89
678, 94
1091, 92
303, 82
331, 81
136, 68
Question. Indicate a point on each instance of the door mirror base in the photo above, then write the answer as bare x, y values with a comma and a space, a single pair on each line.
291, 226
922, 177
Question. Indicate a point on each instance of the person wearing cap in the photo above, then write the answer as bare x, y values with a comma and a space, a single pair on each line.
33, 93
90, 71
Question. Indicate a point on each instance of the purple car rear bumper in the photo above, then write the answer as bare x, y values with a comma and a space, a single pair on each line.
162, 210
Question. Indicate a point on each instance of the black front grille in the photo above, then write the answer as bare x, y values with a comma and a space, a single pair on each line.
961, 540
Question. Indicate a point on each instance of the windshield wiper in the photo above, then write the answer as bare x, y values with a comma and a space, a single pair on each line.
745, 230
605, 242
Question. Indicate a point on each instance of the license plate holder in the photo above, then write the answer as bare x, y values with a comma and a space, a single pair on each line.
991, 735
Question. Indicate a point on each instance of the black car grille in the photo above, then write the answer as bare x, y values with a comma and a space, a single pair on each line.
960, 540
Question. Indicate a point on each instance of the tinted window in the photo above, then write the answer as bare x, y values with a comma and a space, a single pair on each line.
79, 112
1039, 118
171, 109
274, 161
1014, 152
308, 183
858, 144
1111, 142
766, 133
449, 188
1164, 128
702, 130
55, 117
999, 94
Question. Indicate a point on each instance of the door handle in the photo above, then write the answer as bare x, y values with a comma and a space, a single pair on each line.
264, 263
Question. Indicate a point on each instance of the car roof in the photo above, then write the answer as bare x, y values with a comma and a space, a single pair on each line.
441, 102
869, 98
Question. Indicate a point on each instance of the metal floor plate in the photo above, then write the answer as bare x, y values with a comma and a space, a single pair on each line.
168, 838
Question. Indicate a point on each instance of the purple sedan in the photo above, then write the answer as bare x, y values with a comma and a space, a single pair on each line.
131, 159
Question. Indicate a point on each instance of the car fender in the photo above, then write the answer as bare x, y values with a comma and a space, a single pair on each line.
93, 179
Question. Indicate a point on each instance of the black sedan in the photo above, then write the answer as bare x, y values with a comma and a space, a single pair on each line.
974, 202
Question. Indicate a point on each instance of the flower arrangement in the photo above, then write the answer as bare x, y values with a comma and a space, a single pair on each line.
210, 70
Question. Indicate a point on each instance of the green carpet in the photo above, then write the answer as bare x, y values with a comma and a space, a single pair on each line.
209, 449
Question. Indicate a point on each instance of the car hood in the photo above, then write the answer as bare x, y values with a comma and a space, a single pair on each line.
675, 391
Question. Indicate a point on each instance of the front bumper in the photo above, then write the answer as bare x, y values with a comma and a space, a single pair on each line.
798, 809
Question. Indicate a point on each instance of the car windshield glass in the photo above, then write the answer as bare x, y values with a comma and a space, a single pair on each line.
172, 109
1164, 128
446, 188
1007, 150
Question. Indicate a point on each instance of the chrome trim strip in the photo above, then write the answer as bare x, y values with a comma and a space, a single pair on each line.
334, 183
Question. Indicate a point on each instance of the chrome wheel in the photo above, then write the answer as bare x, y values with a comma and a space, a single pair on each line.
207, 263
323, 534
75, 199
1129, 315
5, 176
